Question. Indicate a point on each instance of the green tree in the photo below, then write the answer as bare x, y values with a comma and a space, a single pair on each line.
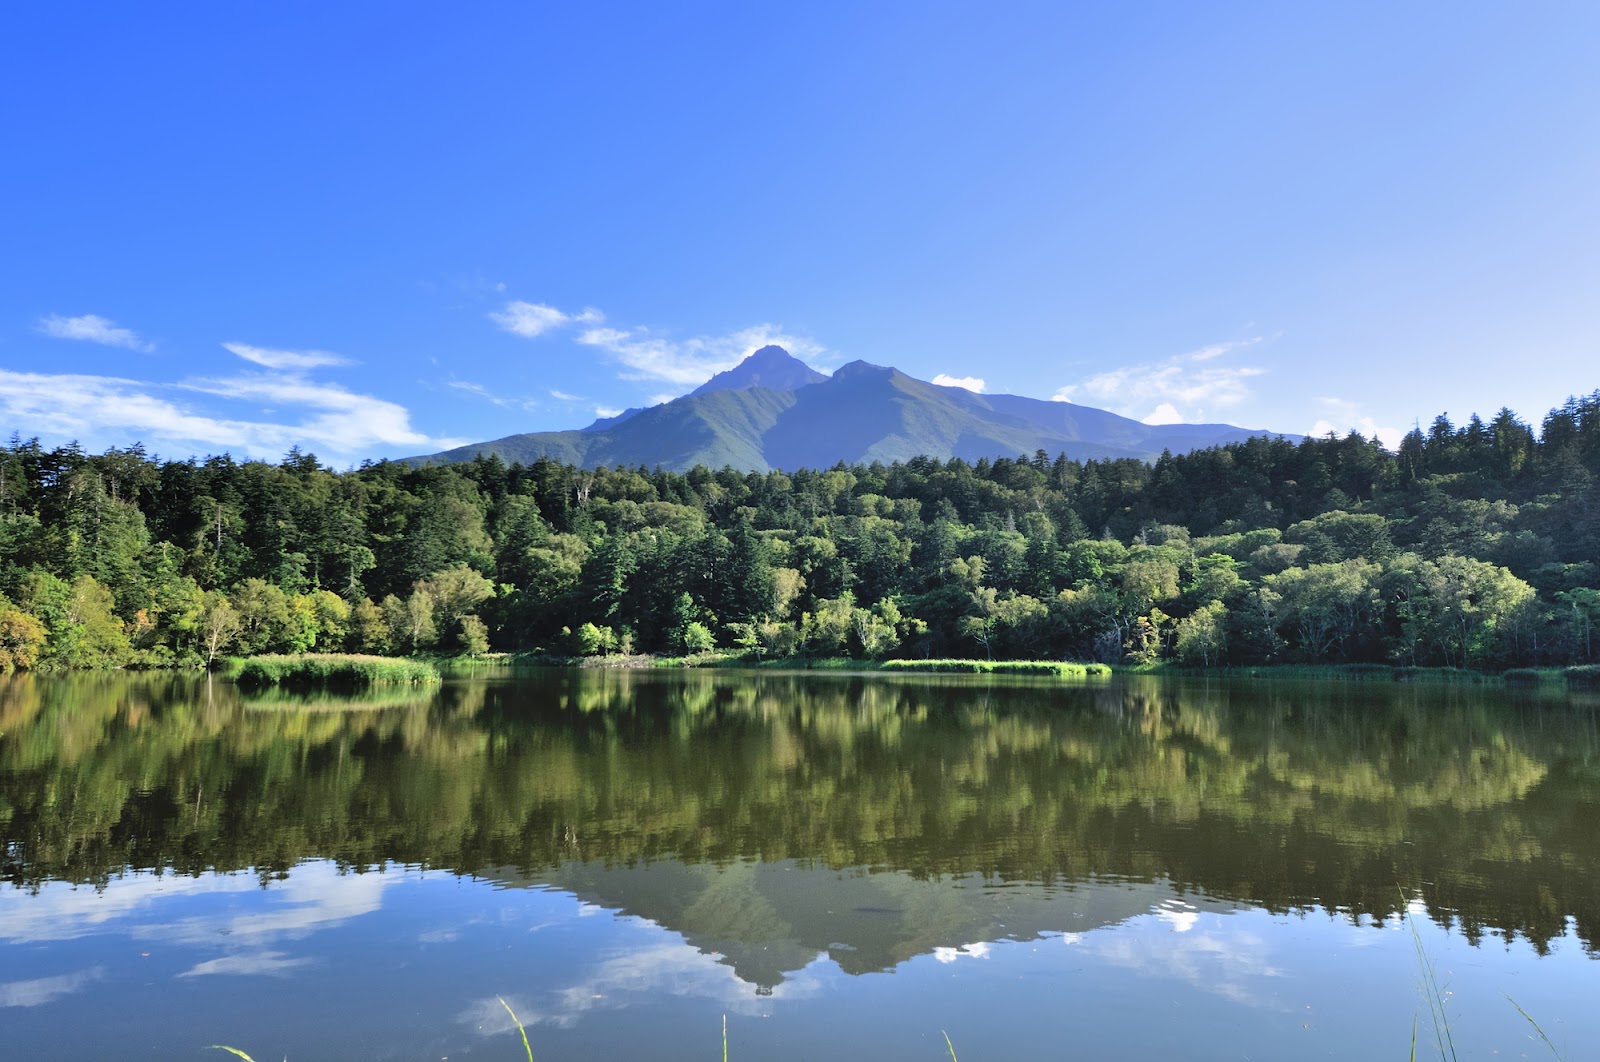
217, 624
369, 628
595, 641
1325, 606
455, 592
265, 623
473, 636
1202, 636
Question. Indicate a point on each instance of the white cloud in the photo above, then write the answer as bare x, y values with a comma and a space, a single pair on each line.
43, 990
92, 328
661, 967
60, 911
1175, 941
479, 390
349, 423
1345, 415
250, 964
1181, 388
690, 362
650, 355
563, 396
971, 383
530, 319
605, 412
288, 360
1216, 350
331, 419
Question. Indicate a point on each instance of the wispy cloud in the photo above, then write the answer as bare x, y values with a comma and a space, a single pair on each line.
479, 391
971, 383
43, 990
1173, 943
1344, 415
303, 412
530, 319
92, 328
662, 967
249, 964
1182, 388
648, 354
564, 397
291, 360
1216, 350
606, 412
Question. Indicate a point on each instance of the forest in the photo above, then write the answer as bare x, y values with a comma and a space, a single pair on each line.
1474, 546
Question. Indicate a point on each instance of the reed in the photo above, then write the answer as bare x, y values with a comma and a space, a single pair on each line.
1432, 992
332, 671
1584, 676
1529, 1019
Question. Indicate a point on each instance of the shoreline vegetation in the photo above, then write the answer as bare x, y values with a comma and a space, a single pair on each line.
1472, 547
331, 671
1584, 677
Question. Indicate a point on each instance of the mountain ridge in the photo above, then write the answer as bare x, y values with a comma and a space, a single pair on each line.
772, 411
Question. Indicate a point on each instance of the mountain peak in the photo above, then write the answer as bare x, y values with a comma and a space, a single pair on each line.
771, 367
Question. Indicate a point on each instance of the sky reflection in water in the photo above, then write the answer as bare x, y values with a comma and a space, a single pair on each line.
592, 869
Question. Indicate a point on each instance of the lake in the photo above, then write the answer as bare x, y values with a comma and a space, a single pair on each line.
841, 866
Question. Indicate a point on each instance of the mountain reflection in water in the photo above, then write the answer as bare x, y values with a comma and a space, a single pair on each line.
774, 821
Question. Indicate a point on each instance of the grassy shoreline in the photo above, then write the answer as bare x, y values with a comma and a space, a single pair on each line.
316, 671
342, 671
1575, 677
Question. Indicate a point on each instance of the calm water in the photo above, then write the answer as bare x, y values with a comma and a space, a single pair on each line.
843, 866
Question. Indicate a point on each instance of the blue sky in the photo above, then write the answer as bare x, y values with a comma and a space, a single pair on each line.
375, 230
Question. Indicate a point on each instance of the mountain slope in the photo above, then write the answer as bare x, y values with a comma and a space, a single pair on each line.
773, 411
771, 367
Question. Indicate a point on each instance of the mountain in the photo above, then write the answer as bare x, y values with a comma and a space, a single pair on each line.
771, 367
774, 411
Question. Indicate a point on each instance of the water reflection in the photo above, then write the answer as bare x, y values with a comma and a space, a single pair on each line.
1279, 795
644, 846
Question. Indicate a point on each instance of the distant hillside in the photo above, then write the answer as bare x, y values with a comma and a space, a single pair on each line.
773, 411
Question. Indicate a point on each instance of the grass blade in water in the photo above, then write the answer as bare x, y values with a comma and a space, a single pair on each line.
1529, 1019
525, 1045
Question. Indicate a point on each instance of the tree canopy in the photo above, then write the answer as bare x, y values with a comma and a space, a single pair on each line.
1476, 546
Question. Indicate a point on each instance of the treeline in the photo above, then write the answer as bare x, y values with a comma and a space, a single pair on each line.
1472, 546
